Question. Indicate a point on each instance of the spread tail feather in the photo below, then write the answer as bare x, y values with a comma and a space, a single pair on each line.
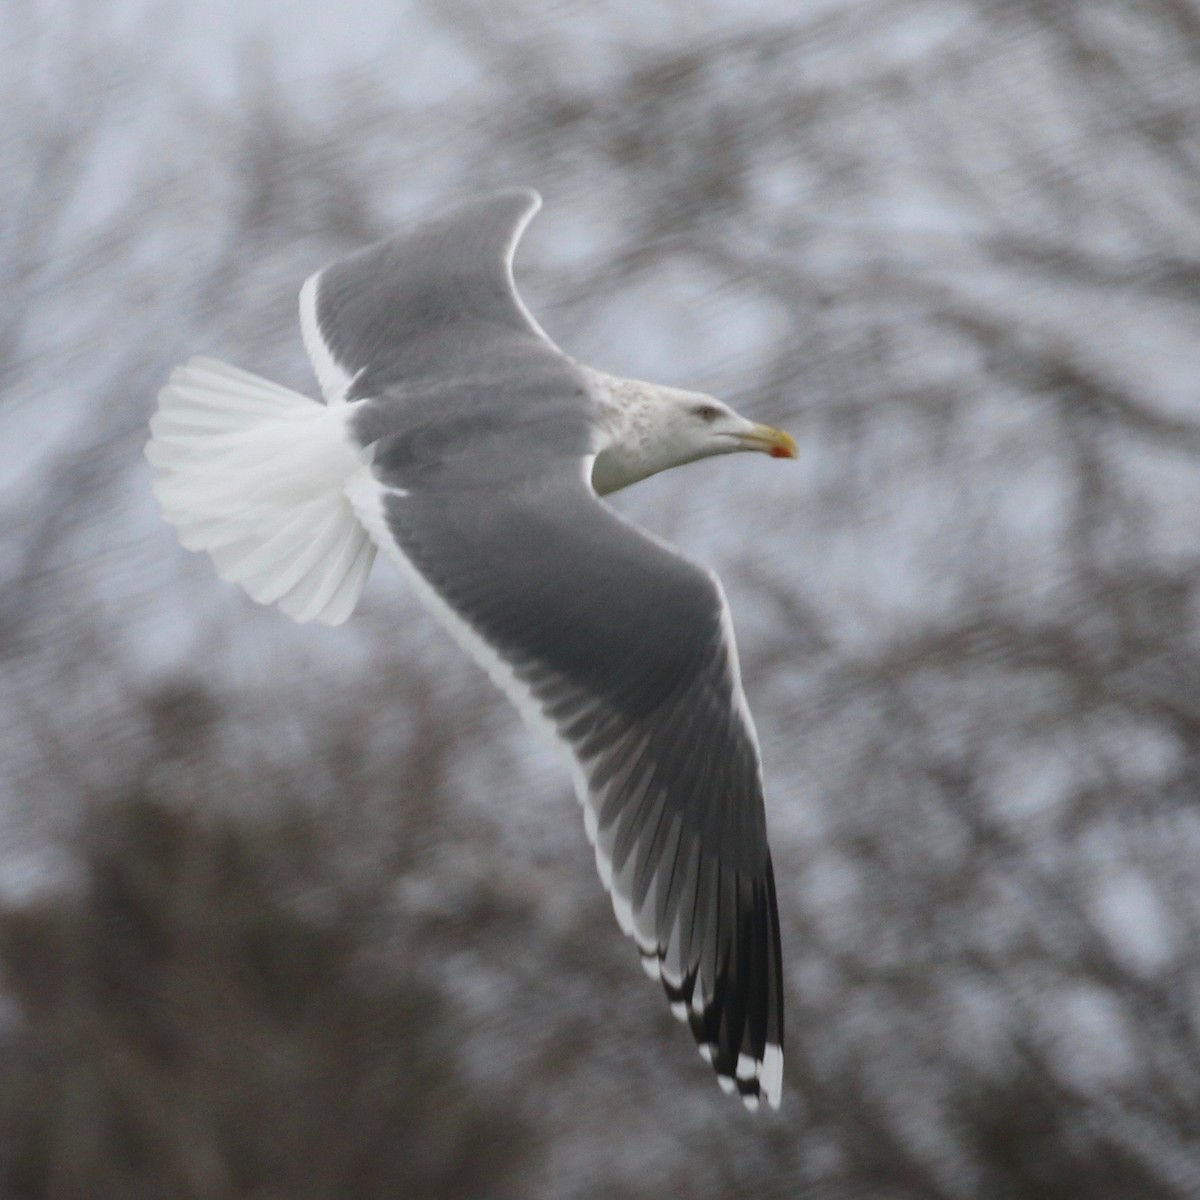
255, 474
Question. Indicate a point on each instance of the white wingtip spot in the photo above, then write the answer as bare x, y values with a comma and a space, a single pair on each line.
650, 966
747, 1067
770, 1077
706, 1051
727, 1084
751, 1102
679, 1012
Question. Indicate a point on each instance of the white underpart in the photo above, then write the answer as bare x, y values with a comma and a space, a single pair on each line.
254, 474
331, 375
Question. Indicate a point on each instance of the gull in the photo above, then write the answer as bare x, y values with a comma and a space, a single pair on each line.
460, 441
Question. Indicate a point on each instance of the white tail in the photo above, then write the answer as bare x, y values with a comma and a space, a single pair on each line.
256, 474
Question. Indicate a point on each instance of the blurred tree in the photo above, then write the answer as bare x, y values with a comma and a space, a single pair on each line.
954, 246
206, 1016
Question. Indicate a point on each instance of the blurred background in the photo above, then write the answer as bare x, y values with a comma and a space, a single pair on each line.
297, 912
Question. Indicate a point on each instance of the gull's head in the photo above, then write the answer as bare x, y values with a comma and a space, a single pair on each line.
701, 426
649, 428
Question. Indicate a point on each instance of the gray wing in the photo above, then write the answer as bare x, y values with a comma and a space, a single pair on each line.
424, 303
621, 649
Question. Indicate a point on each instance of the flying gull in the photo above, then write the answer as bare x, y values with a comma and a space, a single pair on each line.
460, 441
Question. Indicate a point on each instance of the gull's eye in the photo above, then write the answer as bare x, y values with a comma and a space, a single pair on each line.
705, 412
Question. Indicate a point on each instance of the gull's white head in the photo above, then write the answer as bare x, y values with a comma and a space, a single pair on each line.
648, 428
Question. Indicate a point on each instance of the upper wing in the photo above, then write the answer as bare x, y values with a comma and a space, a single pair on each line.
621, 649
417, 303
